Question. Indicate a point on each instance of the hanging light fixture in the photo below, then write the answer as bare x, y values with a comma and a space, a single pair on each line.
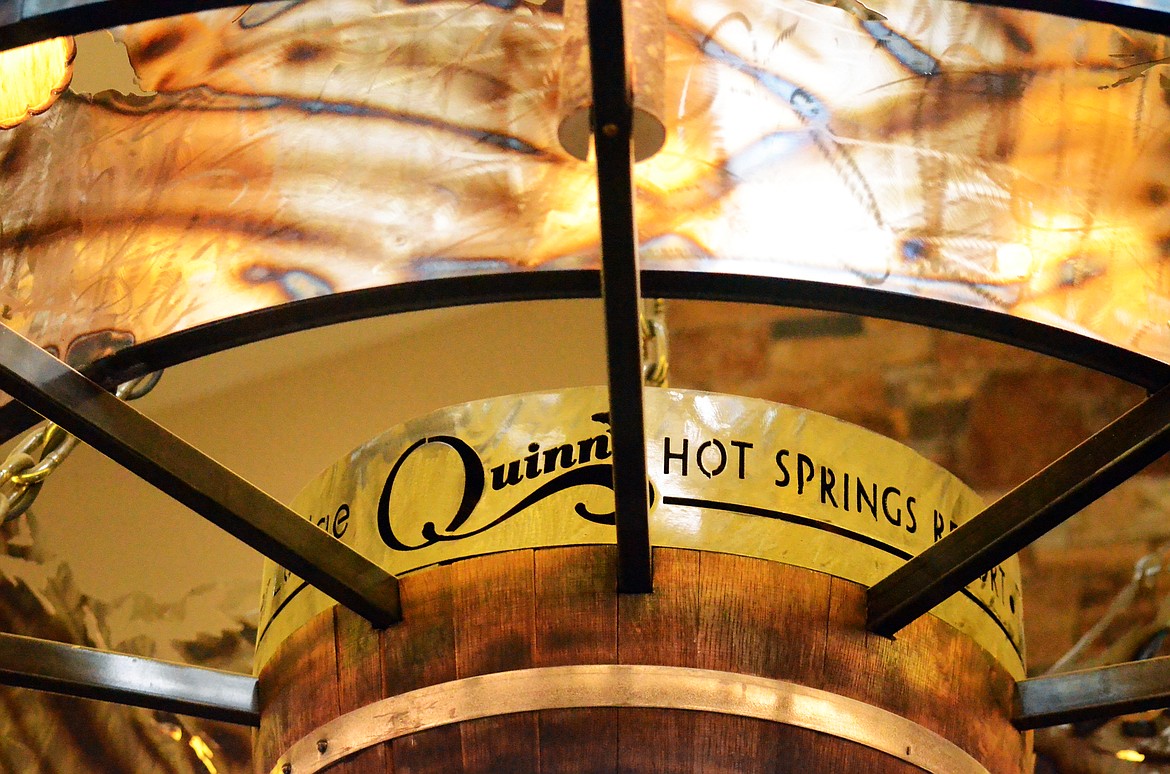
308, 162
646, 58
32, 77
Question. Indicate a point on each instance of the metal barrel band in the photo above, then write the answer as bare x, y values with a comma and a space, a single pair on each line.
625, 685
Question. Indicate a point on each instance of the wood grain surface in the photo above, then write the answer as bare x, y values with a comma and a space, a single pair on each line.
558, 606
298, 690
361, 680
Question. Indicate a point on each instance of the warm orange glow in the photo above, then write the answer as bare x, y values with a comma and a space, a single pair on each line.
32, 77
204, 753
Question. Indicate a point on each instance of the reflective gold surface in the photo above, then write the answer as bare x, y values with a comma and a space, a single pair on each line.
1007, 160
730, 475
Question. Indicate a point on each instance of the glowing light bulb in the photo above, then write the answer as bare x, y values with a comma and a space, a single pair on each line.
1130, 755
32, 77
1013, 261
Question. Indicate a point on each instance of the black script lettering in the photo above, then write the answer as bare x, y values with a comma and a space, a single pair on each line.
600, 474
895, 520
864, 494
550, 458
743, 446
938, 526
586, 446
668, 455
912, 527
995, 575
336, 524
596, 475
531, 468
340, 521
803, 462
780, 455
714, 442
845, 489
473, 481
514, 478
280, 580
828, 479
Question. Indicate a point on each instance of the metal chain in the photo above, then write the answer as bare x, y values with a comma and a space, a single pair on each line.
655, 351
22, 475
1145, 572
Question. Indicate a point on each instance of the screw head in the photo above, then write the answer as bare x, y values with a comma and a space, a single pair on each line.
286, 768
609, 130
322, 746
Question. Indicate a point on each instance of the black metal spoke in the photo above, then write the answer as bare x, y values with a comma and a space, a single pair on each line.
24, 22
1092, 694
1100, 463
83, 408
620, 290
27, 662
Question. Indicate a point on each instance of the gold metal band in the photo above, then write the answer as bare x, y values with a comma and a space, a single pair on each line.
730, 475
625, 685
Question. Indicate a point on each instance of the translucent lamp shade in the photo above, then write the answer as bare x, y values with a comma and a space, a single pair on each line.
32, 77
1008, 161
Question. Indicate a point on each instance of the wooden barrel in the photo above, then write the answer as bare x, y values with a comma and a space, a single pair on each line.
516, 633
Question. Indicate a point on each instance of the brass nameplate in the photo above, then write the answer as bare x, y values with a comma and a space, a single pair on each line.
728, 474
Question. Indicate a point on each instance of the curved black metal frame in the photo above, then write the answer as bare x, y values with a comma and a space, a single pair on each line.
27, 21
213, 337
221, 335
81, 407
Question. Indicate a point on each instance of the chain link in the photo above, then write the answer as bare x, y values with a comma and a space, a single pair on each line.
22, 475
17, 502
54, 445
1144, 579
655, 351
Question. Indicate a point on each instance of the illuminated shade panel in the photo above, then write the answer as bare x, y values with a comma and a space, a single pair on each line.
32, 77
1007, 160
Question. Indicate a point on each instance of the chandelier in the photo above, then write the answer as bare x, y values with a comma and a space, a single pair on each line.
997, 169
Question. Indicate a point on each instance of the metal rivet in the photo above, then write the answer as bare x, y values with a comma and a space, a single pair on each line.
322, 746
609, 130
286, 768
